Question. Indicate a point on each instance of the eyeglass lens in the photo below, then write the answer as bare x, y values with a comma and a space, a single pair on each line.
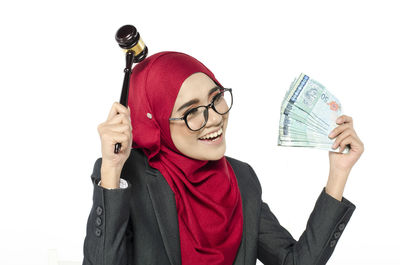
197, 117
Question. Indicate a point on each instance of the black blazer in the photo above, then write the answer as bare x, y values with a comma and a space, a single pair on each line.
139, 224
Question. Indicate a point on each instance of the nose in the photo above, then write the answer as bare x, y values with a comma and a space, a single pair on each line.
214, 118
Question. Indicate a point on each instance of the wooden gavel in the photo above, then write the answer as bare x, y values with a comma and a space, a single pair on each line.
129, 39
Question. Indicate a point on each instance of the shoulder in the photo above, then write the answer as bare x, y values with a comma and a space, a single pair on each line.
244, 170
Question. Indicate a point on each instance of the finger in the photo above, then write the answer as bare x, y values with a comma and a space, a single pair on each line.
117, 108
129, 142
120, 118
349, 140
344, 119
120, 128
341, 136
339, 129
113, 111
125, 130
126, 143
114, 137
117, 124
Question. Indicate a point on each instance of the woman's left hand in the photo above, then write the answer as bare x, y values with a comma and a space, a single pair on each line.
345, 135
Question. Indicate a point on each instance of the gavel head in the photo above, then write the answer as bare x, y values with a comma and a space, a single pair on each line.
129, 39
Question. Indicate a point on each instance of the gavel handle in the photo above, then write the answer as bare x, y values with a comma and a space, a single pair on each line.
125, 88
117, 147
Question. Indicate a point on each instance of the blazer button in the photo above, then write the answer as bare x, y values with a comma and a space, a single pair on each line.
98, 232
337, 234
332, 244
341, 226
98, 221
99, 210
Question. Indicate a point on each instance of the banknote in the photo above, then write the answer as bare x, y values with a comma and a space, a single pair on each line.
308, 114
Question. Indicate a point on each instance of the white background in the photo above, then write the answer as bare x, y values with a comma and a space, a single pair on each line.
61, 70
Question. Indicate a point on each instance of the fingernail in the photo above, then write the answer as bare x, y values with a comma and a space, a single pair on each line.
334, 146
331, 134
338, 120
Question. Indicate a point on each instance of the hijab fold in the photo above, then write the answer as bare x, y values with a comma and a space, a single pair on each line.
208, 201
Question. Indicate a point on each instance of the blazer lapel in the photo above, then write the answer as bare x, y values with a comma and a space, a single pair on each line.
163, 200
241, 253
250, 202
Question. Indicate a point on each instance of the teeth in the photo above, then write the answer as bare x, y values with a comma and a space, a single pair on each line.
212, 135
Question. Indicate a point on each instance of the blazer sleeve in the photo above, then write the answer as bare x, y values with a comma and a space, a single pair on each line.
316, 244
107, 229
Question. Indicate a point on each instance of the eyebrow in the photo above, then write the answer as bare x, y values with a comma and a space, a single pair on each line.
193, 101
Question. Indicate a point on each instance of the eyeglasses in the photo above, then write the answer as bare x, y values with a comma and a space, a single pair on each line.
196, 118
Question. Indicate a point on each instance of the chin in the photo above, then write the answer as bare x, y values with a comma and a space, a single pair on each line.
217, 157
215, 154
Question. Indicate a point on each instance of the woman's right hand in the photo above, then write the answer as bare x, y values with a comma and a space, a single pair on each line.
116, 129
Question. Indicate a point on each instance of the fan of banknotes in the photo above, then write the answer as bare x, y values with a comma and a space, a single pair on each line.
308, 115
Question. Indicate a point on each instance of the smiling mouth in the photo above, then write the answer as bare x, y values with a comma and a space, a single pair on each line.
216, 139
220, 131
213, 138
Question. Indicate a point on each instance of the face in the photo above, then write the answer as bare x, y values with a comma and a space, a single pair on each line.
197, 86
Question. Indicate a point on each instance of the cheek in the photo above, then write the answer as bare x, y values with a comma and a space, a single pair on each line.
189, 135
225, 117
181, 135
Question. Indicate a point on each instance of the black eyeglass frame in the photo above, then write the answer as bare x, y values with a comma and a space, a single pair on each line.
211, 105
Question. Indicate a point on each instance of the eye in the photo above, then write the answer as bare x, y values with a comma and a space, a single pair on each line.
190, 111
218, 96
219, 91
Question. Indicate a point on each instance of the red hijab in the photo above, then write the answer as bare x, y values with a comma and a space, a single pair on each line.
208, 201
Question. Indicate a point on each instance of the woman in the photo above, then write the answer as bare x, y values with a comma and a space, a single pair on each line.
174, 198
